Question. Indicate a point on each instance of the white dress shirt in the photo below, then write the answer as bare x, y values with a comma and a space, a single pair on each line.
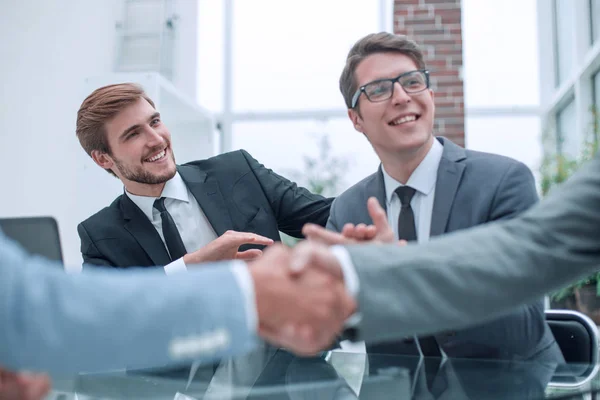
193, 226
423, 181
195, 231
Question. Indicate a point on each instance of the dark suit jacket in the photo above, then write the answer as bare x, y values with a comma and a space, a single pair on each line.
235, 192
472, 188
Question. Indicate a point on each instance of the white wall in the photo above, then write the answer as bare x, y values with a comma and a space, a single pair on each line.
48, 48
53, 47
186, 62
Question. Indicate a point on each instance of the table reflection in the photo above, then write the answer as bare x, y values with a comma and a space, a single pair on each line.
335, 377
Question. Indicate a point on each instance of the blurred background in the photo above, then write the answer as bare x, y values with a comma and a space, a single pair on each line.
517, 77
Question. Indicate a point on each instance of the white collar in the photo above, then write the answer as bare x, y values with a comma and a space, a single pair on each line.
423, 177
175, 188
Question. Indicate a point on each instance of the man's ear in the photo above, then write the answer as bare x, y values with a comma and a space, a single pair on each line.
102, 159
432, 94
356, 119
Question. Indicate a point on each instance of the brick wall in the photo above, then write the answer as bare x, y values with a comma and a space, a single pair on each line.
436, 26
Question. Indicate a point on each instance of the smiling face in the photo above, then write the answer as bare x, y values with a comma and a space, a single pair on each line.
140, 149
401, 125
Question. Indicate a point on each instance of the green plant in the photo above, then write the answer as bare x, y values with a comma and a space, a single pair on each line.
321, 174
557, 168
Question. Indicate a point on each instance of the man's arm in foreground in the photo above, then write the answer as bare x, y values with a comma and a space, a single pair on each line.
467, 277
23, 385
105, 319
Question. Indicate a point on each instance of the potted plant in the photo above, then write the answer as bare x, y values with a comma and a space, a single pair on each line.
584, 294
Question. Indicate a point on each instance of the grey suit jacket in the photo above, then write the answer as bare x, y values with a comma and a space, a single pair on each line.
62, 323
472, 188
470, 277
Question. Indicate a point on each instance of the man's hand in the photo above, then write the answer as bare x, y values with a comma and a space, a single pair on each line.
303, 311
379, 232
23, 386
226, 247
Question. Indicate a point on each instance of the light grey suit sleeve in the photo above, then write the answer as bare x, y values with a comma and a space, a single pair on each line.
67, 323
468, 277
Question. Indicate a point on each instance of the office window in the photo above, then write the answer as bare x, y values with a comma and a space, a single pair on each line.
570, 140
290, 142
511, 136
595, 19
290, 57
596, 80
491, 80
564, 19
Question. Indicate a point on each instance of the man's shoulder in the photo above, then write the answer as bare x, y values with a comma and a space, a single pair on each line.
355, 191
222, 160
483, 163
106, 216
478, 161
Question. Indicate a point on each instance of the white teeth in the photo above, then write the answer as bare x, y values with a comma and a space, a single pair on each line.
402, 120
158, 156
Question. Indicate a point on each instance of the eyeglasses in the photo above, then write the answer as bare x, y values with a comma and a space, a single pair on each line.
383, 89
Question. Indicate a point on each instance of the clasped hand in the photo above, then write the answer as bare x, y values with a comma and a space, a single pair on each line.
302, 301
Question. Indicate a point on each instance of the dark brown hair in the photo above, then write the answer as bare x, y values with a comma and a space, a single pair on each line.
99, 108
382, 42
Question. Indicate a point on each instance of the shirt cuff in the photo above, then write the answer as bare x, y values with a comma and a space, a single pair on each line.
175, 267
244, 281
348, 270
350, 279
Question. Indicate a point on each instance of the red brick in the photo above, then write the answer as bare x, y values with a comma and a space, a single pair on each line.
421, 21
437, 3
428, 31
436, 26
444, 101
444, 76
423, 11
436, 65
448, 49
438, 40
449, 16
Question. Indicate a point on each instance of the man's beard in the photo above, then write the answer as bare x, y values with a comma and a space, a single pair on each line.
140, 175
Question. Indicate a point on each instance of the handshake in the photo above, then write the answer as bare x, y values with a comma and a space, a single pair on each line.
301, 296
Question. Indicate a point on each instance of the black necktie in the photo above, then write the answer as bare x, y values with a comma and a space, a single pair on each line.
170, 232
407, 230
406, 219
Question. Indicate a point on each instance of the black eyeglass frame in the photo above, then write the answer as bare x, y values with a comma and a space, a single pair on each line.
362, 89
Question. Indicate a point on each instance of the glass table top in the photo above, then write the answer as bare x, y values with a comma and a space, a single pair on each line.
277, 374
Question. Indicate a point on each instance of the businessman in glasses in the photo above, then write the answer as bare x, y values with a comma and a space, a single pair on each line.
430, 186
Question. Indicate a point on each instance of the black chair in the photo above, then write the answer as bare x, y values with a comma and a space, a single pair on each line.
577, 338
38, 235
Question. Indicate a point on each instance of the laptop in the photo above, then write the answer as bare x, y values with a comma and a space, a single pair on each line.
38, 235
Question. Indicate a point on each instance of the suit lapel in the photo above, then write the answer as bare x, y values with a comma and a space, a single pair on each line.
209, 197
144, 232
375, 187
450, 172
